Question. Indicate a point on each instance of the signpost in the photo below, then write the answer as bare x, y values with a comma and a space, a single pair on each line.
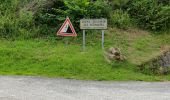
87, 24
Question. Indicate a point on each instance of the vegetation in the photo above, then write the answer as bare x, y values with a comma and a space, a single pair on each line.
150, 14
51, 58
31, 19
15, 23
75, 10
29, 45
120, 19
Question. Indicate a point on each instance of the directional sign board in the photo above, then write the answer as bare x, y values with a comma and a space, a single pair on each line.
93, 24
86, 24
67, 29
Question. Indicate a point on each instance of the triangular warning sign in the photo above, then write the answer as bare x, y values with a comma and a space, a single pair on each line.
67, 29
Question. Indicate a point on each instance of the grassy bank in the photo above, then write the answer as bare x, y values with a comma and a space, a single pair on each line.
55, 58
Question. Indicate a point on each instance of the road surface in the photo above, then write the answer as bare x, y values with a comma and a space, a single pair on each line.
36, 88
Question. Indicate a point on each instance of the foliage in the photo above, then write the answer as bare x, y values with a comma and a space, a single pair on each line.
150, 14
164, 2
120, 19
118, 4
15, 23
19, 20
75, 9
51, 58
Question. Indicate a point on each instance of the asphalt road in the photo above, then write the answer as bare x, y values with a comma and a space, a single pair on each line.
36, 88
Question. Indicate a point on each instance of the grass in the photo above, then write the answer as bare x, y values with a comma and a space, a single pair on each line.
54, 58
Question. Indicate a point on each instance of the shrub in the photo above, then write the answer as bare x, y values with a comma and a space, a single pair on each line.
164, 2
118, 4
75, 9
149, 14
120, 19
14, 22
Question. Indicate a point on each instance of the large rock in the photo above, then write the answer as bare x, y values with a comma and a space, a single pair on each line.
114, 54
159, 65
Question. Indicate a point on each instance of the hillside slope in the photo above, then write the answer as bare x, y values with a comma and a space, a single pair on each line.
55, 58
29, 46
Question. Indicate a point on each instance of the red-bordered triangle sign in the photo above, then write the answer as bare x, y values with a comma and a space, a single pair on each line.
67, 29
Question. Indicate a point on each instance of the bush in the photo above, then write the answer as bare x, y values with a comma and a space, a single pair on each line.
149, 14
120, 19
15, 23
164, 2
75, 9
118, 4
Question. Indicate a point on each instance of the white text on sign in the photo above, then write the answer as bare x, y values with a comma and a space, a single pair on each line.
93, 24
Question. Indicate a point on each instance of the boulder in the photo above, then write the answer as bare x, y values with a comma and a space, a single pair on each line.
114, 54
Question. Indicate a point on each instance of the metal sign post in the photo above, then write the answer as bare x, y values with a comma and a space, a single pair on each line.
102, 39
84, 40
87, 24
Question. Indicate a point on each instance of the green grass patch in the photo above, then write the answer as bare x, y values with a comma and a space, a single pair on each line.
41, 57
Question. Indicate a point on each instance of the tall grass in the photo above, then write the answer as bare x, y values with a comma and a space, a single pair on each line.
16, 22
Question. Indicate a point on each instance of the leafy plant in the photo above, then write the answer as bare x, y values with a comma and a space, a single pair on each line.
14, 22
164, 2
120, 19
75, 10
118, 4
149, 14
